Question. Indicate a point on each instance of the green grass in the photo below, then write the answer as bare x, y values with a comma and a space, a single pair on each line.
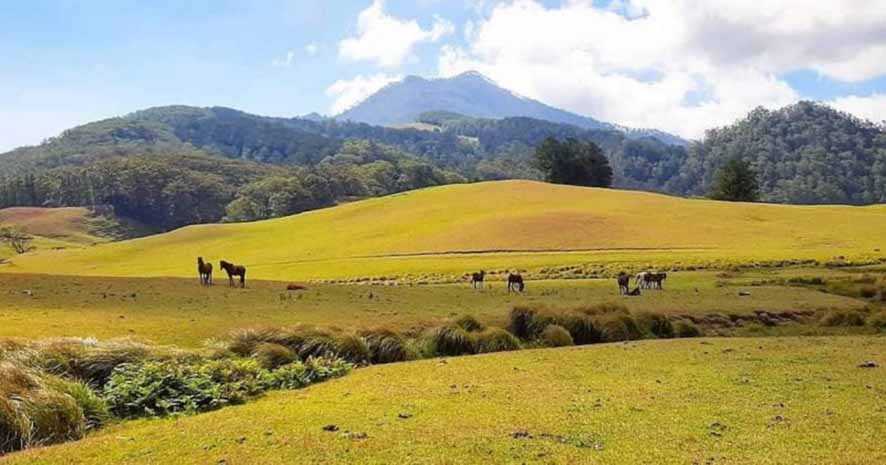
54, 228
179, 311
738, 401
446, 231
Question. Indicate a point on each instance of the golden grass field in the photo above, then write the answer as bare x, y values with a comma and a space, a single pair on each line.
446, 231
740, 401
52, 228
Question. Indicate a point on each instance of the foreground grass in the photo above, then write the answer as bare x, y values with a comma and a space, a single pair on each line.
180, 312
736, 401
446, 231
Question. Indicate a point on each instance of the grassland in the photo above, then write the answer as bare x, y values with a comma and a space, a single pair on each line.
179, 311
54, 228
446, 231
716, 401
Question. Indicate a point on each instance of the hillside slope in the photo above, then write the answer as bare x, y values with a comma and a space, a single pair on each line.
749, 401
58, 227
495, 225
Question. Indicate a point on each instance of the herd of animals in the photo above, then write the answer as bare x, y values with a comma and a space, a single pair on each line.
644, 280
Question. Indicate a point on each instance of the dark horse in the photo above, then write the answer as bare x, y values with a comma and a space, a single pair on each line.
477, 279
515, 282
205, 271
234, 270
624, 283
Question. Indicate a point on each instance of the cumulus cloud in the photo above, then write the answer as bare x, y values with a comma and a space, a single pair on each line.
872, 108
347, 93
678, 65
284, 61
386, 40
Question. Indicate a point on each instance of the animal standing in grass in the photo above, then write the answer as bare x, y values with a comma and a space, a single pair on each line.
477, 279
624, 283
234, 270
654, 280
204, 269
515, 282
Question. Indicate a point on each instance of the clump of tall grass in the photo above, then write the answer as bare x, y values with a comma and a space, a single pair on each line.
386, 346
451, 340
556, 336
843, 318
271, 355
655, 325
353, 348
496, 340
878, 320
686, 329
615, 328
469, 324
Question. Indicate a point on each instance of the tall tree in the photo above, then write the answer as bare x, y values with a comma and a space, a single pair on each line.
573, 162
736, 181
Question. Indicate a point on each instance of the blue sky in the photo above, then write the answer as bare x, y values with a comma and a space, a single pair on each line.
64, 63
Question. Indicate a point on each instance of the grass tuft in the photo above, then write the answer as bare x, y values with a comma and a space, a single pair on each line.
451, 340
556, 336
496, 340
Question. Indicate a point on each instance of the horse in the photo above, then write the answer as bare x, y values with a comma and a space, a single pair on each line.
477, 279
624, 282
641, 279
204, 269
515, 282
654, 280
234, 270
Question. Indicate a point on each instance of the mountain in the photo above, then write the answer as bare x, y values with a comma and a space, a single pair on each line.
806, 153
470, 94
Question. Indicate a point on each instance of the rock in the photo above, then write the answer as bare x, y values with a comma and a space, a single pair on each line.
404, 415
330, 428
868, 364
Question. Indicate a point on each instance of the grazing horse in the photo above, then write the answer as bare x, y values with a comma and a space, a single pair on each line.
204, 269
624, 282
477, 279
234, 270
654, 280
515, 282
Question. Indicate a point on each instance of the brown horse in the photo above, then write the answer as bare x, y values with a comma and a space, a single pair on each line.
477, 279
515, 282
624, 283
234, 270
204, 269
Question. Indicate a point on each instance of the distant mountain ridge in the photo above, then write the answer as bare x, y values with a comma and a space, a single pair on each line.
471, 94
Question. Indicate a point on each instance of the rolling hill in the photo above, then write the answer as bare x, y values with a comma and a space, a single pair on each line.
470, 94
58, 228
494, 225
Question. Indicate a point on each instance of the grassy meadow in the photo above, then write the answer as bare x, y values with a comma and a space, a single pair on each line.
710, 401
53, 228
179, 311
440, 233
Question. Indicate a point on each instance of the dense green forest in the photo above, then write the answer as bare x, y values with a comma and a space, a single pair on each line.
172, 166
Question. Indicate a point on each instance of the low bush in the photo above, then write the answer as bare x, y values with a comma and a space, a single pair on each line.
469, 324
89, 360
271, 355
297, 375
317, 343
521, 322
352, 348
556, 336
243, 342
686, 329
878, 320
95, 410
655, 325
496, 340
581, 327
615, 328
451, 340
386, 346
843, 318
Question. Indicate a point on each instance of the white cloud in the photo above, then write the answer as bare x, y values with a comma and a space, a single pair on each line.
312, 48
678, 65
387, 40
285, 61
872, 108
348, 93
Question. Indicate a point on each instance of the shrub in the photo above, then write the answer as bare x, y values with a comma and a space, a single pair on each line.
386, 346
469, 323
32, 413
655, 325
581, 327
878, 320
686, 329
352, 348
522, 322
89, 360
614, 328
271, 355
95, 409
300, 374
496, 340
451, 340
843, 318
243, 342
317, 343
556, 336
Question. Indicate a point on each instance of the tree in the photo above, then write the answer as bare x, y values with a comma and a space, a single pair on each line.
573, 162
736, 181
19, 240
